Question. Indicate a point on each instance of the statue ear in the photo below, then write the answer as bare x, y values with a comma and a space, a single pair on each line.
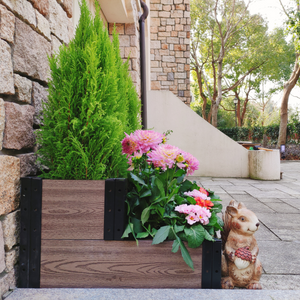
231, 210
241, 205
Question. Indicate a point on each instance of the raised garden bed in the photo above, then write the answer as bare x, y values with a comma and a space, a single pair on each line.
71, 237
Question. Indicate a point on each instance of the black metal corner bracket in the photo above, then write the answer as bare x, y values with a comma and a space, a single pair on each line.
211, 264
115, 208
30, 232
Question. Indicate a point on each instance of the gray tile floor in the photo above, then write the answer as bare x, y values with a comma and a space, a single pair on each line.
277, 205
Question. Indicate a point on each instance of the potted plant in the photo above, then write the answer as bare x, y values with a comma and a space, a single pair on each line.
92, 102
73, 220
161, 203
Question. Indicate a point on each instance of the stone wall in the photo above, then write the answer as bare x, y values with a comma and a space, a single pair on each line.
29, 31
170, 47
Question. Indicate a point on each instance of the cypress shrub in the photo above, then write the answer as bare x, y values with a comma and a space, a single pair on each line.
92, 102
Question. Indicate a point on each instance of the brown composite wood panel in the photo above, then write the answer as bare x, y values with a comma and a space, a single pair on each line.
118, 264
73, 209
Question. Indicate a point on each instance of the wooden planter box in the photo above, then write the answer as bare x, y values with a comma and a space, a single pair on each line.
71, 237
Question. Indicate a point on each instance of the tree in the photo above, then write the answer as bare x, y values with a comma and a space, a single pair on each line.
92, 101
250, 55
223, 37
294, 27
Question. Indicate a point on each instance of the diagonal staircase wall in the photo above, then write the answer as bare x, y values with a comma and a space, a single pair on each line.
218, 155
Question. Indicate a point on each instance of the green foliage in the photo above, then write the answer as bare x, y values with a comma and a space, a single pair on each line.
152, 198
92, 102
256, 133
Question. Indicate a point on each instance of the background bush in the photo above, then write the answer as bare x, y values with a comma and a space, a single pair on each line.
256, 133
92, 102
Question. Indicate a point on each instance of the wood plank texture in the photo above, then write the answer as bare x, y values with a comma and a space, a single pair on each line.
73, 209
118, 264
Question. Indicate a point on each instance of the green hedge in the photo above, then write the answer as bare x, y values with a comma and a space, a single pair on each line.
256, 133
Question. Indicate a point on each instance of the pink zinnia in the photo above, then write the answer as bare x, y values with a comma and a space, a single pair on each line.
191, 161
148, 139
129, 144
164, 156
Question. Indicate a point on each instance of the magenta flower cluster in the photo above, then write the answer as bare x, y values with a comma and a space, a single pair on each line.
158, 153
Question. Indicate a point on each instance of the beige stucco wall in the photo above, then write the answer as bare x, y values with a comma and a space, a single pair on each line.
218, 155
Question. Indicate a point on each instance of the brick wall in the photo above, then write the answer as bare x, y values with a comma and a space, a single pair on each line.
29, 31
170, 47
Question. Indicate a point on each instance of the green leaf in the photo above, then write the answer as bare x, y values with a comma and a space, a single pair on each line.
160, 186
173, 182
213, 220
180, 179
146, 194
217, 207
161, 234
220, 221
127, 231
195, 235
142, 235
179, 199
191, 200
179, 173
137, 179
186, 186
145, 214
175, 246
178, 228
208, 236
137, 225
185, 254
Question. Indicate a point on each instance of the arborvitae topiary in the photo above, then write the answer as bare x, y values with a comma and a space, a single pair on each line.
92, 102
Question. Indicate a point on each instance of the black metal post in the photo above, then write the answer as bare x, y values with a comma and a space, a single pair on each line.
143, 64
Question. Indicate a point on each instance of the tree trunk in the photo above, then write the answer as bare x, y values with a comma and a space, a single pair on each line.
284, 103
214, 114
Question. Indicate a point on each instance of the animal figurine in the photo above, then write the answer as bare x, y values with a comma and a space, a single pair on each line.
240, 265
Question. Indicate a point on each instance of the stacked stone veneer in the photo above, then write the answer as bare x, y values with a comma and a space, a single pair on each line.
29, 32
170, 47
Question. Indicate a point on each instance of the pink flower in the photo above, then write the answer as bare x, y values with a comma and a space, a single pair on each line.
197, 194
129, 144
164, 156
204, 191
192, 218
195, 213
148, 139
191, 162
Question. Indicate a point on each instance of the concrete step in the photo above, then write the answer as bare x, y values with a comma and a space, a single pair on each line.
151, 294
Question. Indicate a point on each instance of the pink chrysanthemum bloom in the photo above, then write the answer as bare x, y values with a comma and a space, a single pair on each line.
148, 139
129, 144
191, 161
164, 156
197, 194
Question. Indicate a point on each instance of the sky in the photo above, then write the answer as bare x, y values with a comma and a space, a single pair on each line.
271, 11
